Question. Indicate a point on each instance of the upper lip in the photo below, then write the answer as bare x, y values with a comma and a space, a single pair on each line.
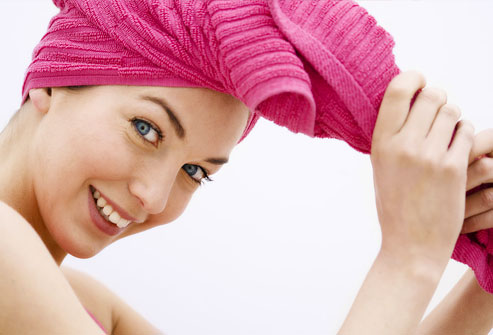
121, 211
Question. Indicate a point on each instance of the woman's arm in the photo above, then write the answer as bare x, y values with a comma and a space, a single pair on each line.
393, 297
114, 313
420, 174
35, 297
467, 309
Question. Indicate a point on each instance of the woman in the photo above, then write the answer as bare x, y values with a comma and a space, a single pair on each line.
107, 114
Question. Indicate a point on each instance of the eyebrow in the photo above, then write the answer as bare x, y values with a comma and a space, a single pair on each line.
217, 161
180, 131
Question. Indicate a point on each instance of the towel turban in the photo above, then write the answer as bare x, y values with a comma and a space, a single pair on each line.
319, 67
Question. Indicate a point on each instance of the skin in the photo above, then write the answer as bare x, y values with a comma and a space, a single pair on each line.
53, 153
465, 310
423, 168
478, 214
61, 137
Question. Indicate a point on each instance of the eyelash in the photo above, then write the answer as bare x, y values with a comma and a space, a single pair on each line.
206, 178
134, 121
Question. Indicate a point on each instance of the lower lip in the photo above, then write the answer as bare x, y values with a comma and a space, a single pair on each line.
103, 225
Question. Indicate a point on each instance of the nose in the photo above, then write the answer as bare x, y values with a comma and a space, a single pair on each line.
152, 186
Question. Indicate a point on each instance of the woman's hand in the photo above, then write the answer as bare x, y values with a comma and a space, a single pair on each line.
479, 204
420, 183
420, 171
467, 308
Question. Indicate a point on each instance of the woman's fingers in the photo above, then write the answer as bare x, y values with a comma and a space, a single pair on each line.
420, 181
462, 142
395, 104
443, 127
479, 203
480, 172
424, 112
478, 222
483, 145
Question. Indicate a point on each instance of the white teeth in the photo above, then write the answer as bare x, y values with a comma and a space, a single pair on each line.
108, 213
101, 202
114, 217
123, 223
107, 209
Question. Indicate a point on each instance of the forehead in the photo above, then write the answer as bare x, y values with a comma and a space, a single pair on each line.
201, 99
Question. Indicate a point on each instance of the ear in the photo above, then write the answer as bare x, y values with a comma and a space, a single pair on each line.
41, 99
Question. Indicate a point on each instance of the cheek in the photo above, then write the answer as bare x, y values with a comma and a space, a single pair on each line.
76, 152
68, 155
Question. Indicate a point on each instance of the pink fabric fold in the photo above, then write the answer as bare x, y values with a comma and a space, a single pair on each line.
316, 67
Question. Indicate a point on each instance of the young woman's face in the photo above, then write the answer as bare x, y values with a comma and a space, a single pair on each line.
144, 149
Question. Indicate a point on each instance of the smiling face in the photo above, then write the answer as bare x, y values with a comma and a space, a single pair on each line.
145, 150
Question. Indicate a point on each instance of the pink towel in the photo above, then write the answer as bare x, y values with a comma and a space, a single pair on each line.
319, 67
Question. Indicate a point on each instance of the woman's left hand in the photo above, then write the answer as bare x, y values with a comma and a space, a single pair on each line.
479, 205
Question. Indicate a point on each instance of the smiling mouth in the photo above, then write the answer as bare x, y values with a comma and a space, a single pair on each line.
106, 211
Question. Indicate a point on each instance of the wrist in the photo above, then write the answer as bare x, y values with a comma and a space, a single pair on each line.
423, 267
394, 295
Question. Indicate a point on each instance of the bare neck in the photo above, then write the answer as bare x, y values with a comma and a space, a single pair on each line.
16, 172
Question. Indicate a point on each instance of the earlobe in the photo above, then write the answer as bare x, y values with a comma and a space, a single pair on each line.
41, 99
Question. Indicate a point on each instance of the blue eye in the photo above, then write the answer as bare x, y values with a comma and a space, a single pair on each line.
197, 173
191, 169
147, 131
142, 127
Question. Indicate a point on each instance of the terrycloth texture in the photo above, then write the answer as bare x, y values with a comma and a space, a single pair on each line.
317, 67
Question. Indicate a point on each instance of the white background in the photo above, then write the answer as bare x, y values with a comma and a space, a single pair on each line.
281, 241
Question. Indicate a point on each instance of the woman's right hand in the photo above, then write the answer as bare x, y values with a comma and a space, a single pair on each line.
420, 171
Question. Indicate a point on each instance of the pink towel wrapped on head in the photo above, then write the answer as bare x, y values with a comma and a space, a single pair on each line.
318, 67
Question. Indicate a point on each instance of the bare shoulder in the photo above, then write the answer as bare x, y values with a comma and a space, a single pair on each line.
30, 279
29, 274
18, 238
92, 294
116, 316
9, 217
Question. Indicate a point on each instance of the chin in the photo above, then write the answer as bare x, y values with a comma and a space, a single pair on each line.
76, 245
83, 253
